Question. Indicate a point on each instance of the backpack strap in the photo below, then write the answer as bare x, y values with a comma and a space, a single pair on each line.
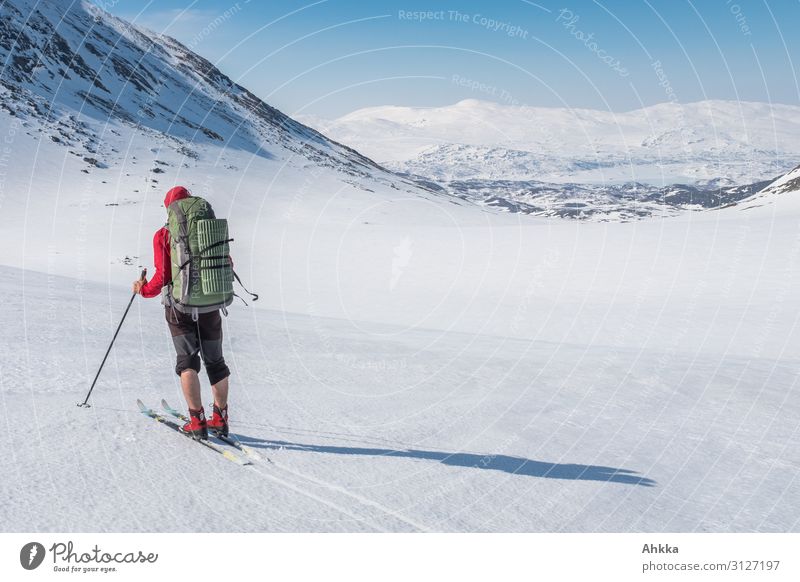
238, 280
202, 258
216, 244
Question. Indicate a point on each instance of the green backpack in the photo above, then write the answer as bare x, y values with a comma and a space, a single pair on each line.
202, 274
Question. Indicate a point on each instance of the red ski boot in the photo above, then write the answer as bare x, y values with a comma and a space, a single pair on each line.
197, 427
219, 421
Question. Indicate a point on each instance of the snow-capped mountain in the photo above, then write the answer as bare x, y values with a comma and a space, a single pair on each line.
789, 182
784, 191
742, 142
76, 74
659, 160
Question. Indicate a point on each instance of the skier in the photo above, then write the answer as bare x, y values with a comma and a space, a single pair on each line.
193, 335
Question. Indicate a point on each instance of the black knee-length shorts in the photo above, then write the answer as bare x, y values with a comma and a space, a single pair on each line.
196, 339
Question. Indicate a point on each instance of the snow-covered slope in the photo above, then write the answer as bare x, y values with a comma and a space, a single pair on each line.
75, 74
789, 182
779, 195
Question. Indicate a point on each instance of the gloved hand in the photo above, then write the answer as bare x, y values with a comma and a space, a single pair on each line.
137, 285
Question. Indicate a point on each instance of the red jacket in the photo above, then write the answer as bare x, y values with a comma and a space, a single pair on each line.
161, 254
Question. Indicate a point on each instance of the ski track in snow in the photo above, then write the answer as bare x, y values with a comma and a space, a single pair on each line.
306, 493
332, 487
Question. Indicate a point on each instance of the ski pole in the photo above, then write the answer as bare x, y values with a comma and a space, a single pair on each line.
108, 351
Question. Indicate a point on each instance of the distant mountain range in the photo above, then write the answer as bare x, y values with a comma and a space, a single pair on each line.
600, 165
612, 202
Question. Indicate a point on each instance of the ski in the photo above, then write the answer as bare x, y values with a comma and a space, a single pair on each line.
231, 439
152, 414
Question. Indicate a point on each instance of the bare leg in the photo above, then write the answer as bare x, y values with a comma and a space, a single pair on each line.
190, 383
220, 392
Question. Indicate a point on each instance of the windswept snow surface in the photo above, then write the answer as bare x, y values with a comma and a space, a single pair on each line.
414, 365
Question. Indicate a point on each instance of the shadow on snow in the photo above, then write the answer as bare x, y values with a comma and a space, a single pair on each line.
504, 463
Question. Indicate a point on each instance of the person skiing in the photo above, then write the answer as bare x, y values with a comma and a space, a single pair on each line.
193, 336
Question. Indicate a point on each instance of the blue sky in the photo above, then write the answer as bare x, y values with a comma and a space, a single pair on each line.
331, 57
